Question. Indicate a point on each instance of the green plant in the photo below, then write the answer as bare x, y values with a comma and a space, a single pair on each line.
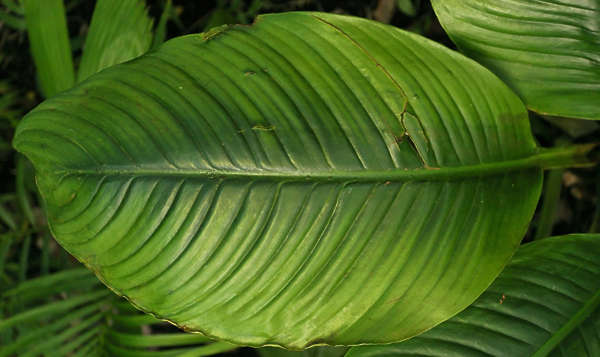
309, 179
546, 51
79, 314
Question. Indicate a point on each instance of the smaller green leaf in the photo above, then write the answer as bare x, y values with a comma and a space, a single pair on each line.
7, 218
56, 283
49, 42
52, 309
546, 51
87, 335
69, 314
161, 29
546, 302
50, 344
40, 334
119, 31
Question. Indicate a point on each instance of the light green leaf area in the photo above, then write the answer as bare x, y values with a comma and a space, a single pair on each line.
545, 303
310, 179
119, 31
547, 51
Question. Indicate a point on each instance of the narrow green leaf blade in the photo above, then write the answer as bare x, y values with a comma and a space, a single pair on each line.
160, 33
119, 31
52, 309
37, 336
7, 218
408, 7
66, 312
310, 179
155, 340
545, 303
49, 43
547, 51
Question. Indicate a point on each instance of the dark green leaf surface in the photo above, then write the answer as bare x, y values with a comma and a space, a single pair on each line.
546, 302
119, 31
309, 179
49, 42
548, 51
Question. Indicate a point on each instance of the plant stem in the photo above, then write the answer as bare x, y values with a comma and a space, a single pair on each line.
550, 201
566, 156
571, 325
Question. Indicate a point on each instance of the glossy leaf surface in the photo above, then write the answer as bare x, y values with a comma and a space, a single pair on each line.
547, 51
546, 302
309, 179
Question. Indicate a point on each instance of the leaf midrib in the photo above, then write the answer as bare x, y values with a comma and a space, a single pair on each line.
562, 157
578, 318
542, 159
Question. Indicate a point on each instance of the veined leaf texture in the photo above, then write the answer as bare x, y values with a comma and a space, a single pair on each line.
309, 179
545, 303
548, 51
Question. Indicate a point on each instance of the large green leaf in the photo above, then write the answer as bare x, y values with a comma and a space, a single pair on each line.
548, 51
546, 302
119, 31
309, 179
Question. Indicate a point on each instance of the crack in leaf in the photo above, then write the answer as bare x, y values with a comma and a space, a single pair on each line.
370, 56
405, 104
